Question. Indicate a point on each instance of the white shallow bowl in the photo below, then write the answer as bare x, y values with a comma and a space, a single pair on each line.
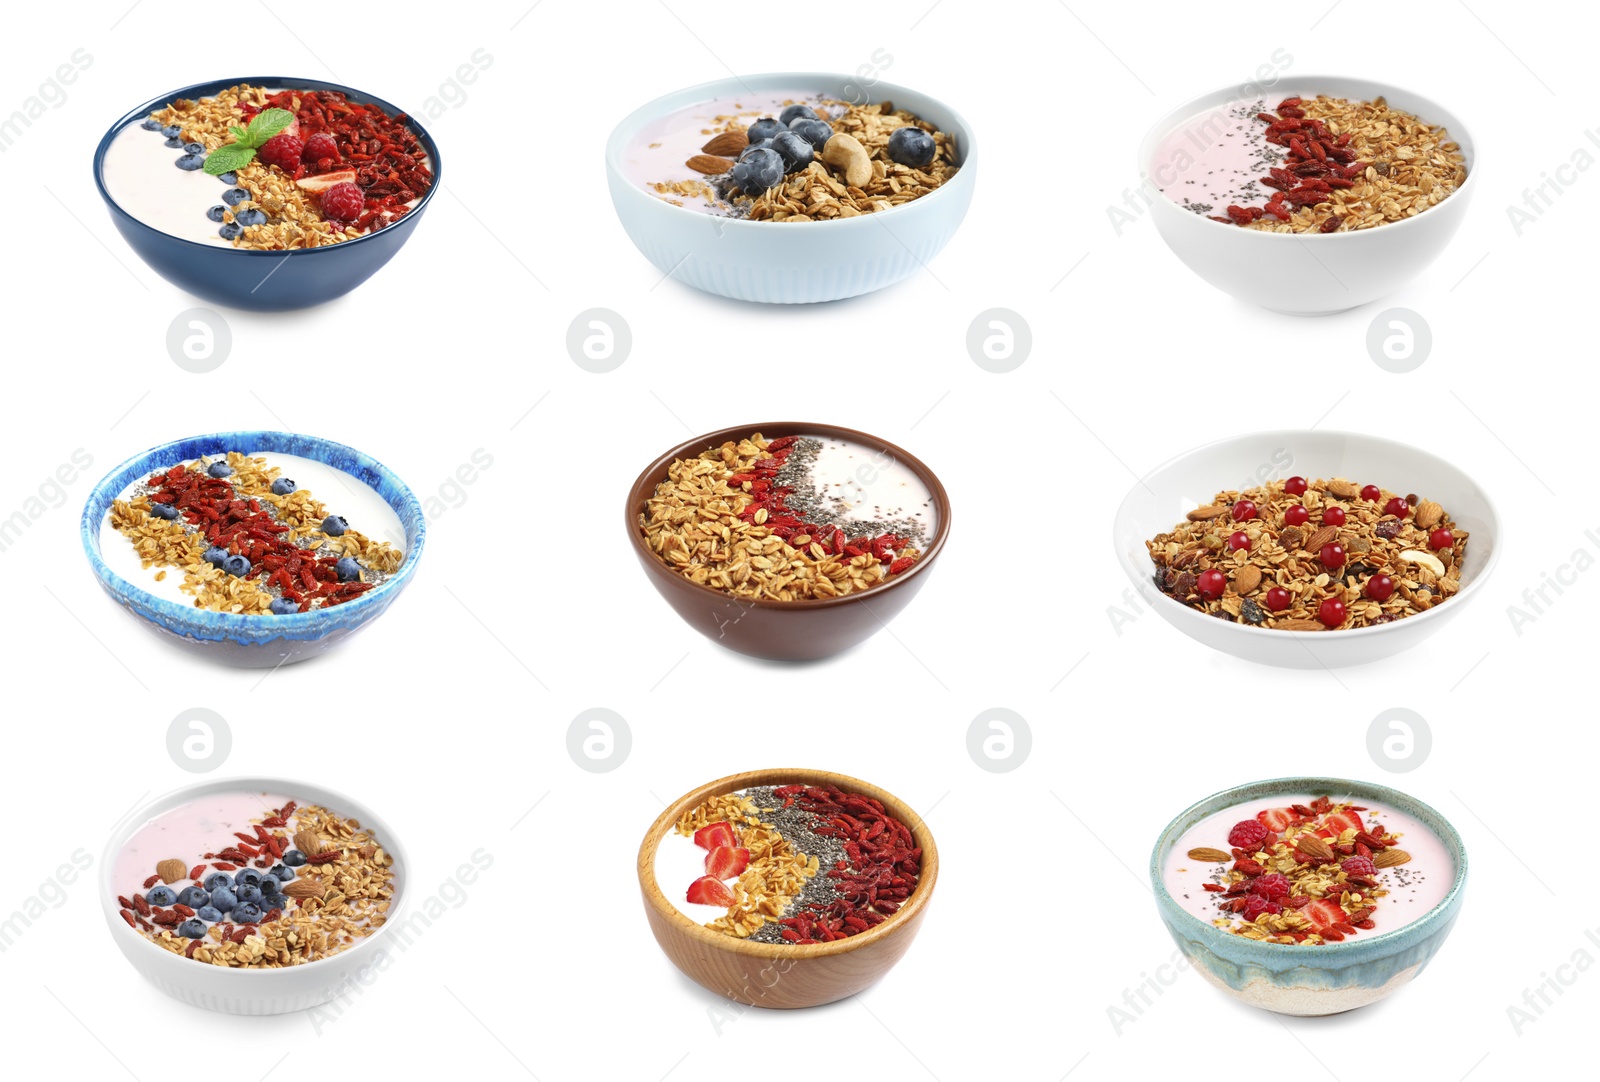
1169, 492
249, 991
1310, 274
808, 261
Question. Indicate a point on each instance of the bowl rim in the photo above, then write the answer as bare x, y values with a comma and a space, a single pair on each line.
1466, 592
1459, 131
1443, 910
967, 143
657, 900
652, 475
348, 807
229, 621
211, 86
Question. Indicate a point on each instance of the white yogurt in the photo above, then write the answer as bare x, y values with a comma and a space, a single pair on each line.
679, 862
342, 494
862, 485
1414, 887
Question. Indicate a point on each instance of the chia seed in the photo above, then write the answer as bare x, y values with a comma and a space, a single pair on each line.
810, 502
795, 824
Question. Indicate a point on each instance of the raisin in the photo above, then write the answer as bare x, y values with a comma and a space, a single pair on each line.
1389, 528
1332, 224
1252, 613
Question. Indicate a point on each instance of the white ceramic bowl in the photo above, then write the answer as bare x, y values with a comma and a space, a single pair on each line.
805, 262
1310, 274
1170, 491
252, 991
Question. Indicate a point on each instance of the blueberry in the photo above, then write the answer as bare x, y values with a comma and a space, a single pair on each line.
247, 877
174, 142
796, 112
237, 566
765, 144
253, 216
283, 486
274, 901
229, 178
335, 525
229, 230
172, 131
282, 873
761, 170
220, 469
190, 162
247, 913
764, 129
161, 895
195, 148
911, 146
794, 150
294, 858
194, 897
164, 510
193, 928
209, 913
219, 881
282, 606
223, 899
249, 894
214, 556
348, 569
216, 212
151, 124
234, 196
815, 132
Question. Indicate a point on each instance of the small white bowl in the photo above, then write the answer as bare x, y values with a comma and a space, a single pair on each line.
252, 991
808, 261
1170, 491
1314, 274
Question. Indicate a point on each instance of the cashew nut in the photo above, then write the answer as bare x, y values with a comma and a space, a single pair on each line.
1424, 559
846, 154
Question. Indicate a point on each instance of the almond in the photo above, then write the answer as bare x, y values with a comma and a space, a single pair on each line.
1428, 515
1299, 625
709, 164
303, 887
1315, 542
1390, 857
172, 871
725, 143
1246, 579
1209, 856
1345, 490
1315, 848
1206, 514
307, 842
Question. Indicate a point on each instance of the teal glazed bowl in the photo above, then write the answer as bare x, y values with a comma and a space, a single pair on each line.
1310, 980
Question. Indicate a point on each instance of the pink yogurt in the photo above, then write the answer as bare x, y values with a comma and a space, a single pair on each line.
190, 831
1217, 158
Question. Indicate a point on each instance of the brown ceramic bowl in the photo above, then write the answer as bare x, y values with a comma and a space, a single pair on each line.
769, 975
785, 630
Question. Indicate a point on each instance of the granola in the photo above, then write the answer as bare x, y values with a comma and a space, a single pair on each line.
1297, 556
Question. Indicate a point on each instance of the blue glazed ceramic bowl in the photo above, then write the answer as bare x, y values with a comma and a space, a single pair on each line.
255, 280
255, 641
1300, 980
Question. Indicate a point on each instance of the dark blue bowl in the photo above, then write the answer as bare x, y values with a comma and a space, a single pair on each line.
263, 281
255, 641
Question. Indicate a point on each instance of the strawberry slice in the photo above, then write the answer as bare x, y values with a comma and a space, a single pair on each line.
1276, 819
709, 891
715, 835
727, 862
324, 181
1324, 914
1341, 821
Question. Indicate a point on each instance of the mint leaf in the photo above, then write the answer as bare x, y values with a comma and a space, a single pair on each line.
226, 159
237, 132
265, 124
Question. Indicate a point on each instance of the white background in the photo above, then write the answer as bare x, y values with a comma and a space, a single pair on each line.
449, 715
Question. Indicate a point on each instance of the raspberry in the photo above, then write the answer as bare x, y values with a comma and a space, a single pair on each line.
319, 146
1255, 905
343, 202
1359, 866
1248, 834
1271, 887
282, 150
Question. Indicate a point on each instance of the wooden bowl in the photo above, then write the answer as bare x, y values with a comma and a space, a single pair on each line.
805, 630
770, 975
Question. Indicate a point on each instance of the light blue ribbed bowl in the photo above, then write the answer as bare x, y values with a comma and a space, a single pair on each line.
255, 641
805, 262
1300, 980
